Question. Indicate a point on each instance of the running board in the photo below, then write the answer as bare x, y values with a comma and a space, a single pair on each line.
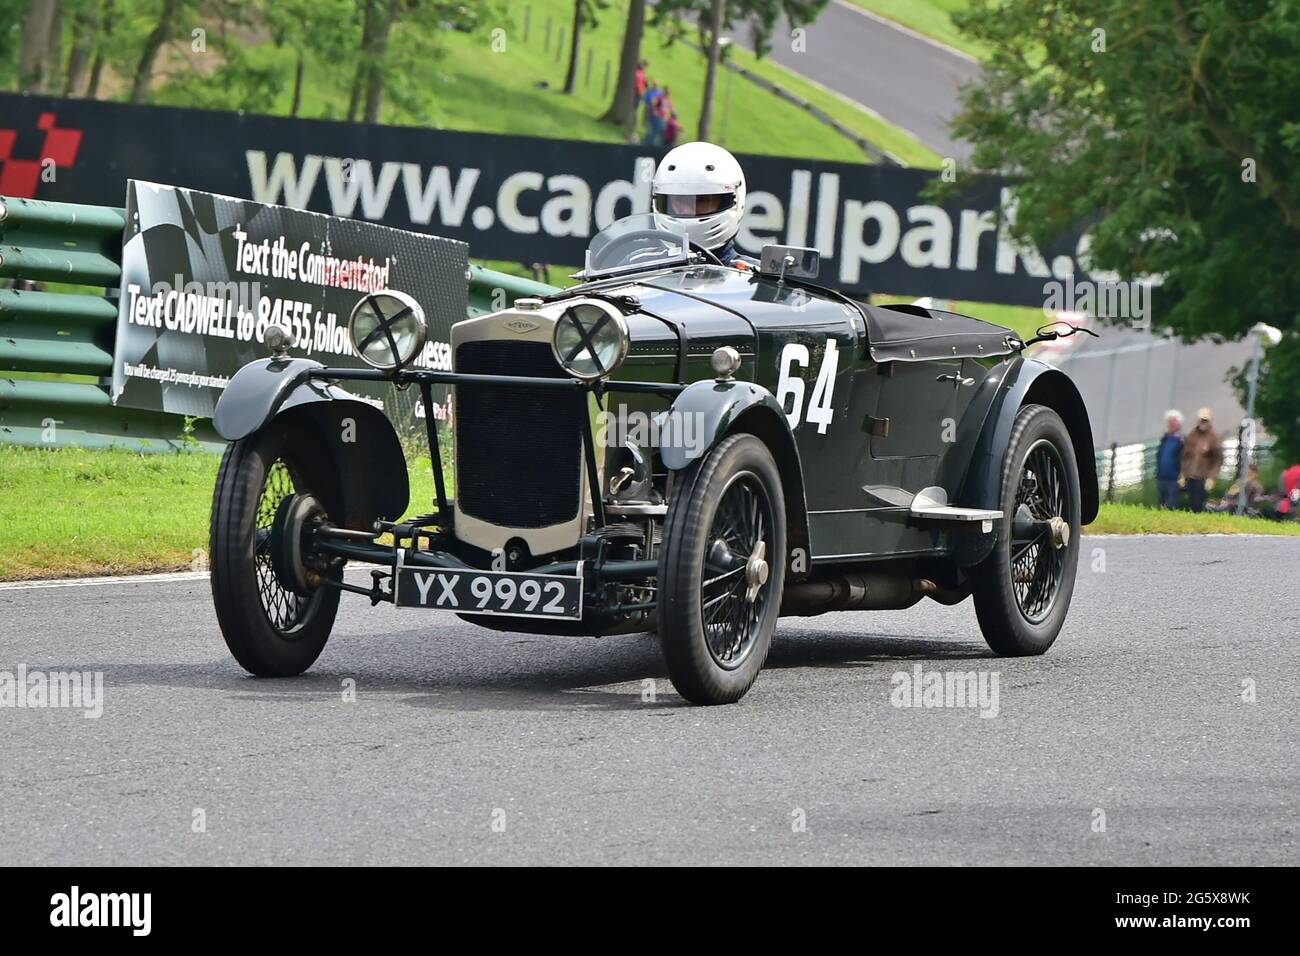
931, 504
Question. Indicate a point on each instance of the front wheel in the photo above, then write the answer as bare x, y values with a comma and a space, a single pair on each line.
271, 630
721, 571
1022, 589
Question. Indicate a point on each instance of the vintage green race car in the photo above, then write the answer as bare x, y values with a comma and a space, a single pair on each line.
672, 445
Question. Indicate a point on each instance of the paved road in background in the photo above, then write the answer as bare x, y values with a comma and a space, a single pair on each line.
1136, 711
908, 80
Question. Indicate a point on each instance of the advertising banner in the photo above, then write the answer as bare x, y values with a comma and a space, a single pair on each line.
203, 276
527, 199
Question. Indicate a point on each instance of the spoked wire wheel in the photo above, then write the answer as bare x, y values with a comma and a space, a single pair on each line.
735, 589
1040, 532
271, 630
722, 571
285, 611
1022, 589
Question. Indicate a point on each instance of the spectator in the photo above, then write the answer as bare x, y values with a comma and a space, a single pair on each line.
656, 124
667, 100
640, 80
1254, 491
1290, 488
672, 130
1169, 460
1202, 459
649, 101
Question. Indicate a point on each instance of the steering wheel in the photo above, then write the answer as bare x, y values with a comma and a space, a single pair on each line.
707, 253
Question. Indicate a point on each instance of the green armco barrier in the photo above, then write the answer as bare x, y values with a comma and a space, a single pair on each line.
58, 309
65, 333
46, 414
80, 266
59, 218
60, 242
56, 332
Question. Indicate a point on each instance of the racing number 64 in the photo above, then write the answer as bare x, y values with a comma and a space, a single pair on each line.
820, 410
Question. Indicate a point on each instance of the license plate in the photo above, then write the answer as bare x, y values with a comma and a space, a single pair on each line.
506, 593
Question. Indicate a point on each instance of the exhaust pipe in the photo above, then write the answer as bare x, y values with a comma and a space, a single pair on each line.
863, 591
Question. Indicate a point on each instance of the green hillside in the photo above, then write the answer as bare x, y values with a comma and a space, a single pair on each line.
475, 84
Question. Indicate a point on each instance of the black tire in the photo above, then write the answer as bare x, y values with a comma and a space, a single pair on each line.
1021, 609
714, 654
271, 631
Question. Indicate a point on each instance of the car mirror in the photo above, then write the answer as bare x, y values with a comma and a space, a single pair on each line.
797, 262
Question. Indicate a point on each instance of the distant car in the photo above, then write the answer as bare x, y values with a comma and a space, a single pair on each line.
672, 445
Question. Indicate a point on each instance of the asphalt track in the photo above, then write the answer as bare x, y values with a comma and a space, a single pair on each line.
1136, 713
909, 80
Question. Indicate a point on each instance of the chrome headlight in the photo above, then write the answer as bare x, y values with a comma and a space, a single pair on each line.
590, 340
387, 329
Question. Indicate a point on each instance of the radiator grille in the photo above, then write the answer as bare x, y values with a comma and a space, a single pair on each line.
518, 450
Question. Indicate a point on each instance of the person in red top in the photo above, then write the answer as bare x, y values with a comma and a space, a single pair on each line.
1290, 485
640, 80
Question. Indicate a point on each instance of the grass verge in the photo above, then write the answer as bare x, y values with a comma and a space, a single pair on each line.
933, 18
1140, 519
75, 512
72, 513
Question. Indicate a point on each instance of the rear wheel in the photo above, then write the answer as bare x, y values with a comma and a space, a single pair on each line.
272, 630
721, 571
1023, 588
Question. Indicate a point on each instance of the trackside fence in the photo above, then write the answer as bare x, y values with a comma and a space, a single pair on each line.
1128, 472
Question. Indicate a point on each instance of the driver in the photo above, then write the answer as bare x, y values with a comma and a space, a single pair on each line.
699, 189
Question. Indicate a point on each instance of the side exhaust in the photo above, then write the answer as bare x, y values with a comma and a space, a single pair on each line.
863, 591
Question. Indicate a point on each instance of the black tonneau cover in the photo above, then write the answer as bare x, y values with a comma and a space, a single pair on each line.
912, 333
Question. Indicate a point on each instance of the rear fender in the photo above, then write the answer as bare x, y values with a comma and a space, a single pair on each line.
1031, 382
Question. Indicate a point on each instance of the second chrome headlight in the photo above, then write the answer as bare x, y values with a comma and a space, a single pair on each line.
591, 340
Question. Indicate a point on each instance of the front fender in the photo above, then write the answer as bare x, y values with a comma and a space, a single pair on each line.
361, 441
703, 414
707, 411
260, 390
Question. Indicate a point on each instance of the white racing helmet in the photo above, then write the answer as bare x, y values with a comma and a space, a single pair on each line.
699, 189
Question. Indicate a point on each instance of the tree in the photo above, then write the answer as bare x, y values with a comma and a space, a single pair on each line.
85, 29
1171, 126
363, 60
622, 109
41, 34
162, 31
399, 47
102, 40
384, 11
716, 17
584, 15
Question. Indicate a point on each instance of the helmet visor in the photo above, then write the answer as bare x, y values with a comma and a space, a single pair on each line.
693, 206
